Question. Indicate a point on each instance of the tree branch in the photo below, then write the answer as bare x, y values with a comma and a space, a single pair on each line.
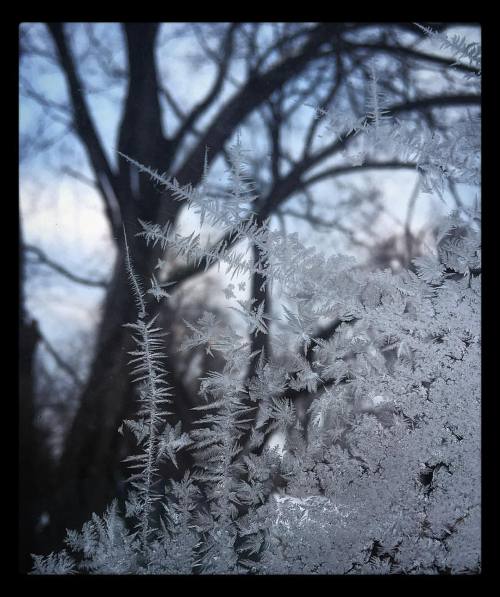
249, 97
325, 101
339, 170
85, 127
410, 53
171, 102
292, 182
199, 109
60, 361
317, 222
444, 101
79, 176
42, 258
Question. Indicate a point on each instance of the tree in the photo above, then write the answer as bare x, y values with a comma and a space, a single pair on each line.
263, 72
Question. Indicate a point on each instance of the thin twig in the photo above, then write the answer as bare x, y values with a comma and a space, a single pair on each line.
60, 361
42, 258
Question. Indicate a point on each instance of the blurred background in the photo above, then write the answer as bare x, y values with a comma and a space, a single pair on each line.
162, 94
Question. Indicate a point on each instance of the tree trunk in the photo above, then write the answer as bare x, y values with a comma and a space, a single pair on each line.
87, 478
91, 472
35, 463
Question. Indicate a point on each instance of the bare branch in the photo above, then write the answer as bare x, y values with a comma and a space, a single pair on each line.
410, 53
320, 222
86, 128
28, 91
292, 182
249, 97
443, 101
42, 258
325, 101
60, 361
79, 176
280, 45
163, 90
104, 55
189, 121
347, 169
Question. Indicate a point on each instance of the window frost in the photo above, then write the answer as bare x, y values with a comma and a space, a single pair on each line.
380, 472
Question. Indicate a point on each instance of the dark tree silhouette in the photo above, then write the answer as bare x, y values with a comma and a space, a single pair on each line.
299, 63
